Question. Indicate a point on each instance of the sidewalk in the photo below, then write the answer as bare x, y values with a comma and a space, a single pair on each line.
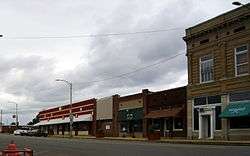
163, 140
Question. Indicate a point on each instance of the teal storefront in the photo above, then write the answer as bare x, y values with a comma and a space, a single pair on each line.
130, 122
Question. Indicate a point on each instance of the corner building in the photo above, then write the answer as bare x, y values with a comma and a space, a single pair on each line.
55, 121
218, 91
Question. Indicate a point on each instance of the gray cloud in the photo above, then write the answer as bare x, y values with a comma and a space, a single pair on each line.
28, 68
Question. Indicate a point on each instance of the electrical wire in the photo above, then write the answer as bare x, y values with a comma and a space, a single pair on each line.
136, 70
95, 35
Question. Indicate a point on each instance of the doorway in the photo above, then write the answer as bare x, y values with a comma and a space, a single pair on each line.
206, 126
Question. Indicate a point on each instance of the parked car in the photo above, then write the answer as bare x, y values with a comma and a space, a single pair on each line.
20, 132
37, 132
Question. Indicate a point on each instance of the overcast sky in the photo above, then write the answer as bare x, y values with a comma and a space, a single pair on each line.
29, 67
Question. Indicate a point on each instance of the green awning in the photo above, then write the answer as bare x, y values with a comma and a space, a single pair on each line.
130, 114
236, 109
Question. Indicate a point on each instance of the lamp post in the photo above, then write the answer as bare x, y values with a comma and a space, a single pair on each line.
16, 112
70, 100
240, 4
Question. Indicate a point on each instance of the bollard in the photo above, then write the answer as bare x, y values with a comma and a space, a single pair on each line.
12, 147
28, 152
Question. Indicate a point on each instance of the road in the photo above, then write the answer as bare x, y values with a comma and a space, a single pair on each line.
84, 147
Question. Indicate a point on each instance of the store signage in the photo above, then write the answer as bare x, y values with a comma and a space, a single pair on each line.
237, 110
130, 116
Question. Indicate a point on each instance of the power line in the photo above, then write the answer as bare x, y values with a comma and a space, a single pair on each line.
96, 35
138, 69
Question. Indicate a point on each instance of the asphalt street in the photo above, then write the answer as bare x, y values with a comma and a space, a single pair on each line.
91, 147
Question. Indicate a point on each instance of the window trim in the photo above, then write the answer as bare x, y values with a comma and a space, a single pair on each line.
235, 59
202, 106
200, 68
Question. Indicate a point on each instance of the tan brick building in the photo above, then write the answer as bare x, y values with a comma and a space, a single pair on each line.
218, 91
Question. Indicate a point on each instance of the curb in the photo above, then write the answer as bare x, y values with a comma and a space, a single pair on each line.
194, 142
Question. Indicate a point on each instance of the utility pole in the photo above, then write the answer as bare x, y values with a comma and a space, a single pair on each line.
1, 118
16, 116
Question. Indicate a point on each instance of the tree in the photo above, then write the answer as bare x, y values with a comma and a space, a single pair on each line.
34, 121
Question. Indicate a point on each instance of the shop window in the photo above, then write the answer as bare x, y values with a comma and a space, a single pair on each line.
240, 122
196, 119
217, 118
241, 60
178, 124
157, 124
123, 127
137, 126
240, 96
206, 68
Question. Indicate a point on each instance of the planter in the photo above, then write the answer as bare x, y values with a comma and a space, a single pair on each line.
99, 135
154, 136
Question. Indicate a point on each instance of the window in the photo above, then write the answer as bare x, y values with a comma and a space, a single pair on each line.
241, 60
178, 124
207, 100
137, 125
200, 101
217, 118
240, 123
123, 127
196, 119
214, 99
206, 68
240, 96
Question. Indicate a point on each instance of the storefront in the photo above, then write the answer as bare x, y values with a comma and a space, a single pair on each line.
130, 116
237, 115
166, 112
55, 121
206, 111
130, 121
105, 124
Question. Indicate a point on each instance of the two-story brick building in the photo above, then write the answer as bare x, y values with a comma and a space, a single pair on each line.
166, 111
55, 121
218, 91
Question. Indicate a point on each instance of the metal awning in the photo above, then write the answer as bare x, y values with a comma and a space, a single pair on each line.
86, 117
236, 109
172, 112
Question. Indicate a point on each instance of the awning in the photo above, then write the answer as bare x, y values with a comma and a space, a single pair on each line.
173, 112
130, 114
236, 109
86, 117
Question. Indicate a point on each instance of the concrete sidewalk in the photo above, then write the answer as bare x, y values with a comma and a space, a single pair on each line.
163, 140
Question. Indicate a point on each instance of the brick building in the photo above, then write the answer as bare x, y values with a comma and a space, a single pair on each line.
166, 111
56, 120
129, 116
218, 91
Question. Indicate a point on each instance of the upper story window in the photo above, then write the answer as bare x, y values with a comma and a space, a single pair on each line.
239, 96
206, 68
241, 60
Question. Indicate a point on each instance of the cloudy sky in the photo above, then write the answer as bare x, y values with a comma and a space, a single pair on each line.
29, 65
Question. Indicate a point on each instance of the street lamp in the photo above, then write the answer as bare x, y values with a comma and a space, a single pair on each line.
16, 112
240, 4
237, 3
70, 99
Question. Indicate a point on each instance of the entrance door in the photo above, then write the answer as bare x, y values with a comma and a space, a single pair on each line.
206, 126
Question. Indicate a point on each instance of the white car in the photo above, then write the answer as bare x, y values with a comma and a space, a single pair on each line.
20, 132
